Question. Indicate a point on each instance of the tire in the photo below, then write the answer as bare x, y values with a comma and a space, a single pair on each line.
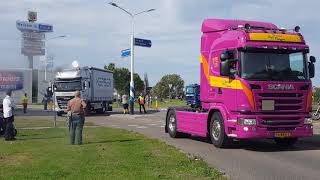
286, 142
172, 124
15, 132
217, 134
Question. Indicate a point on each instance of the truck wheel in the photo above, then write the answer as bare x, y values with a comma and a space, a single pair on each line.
172, 124
217, 134
286, 142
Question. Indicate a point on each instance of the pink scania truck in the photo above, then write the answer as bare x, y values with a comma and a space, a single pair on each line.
254, 83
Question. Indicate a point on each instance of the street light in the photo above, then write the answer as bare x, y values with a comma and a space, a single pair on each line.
46, 56
132, 50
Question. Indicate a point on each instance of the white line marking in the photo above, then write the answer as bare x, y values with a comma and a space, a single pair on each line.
141, 127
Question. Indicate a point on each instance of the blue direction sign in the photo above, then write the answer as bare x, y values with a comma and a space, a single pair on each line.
37, 27
142, 42
125, 53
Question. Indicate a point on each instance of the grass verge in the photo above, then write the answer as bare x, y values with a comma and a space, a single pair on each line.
106, 154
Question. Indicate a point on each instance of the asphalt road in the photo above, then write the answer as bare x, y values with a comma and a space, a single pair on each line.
250, 160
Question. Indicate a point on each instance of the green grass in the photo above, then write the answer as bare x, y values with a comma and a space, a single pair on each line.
106, 154
42, 121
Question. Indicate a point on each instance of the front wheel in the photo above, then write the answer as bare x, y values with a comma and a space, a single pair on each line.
172, 124
217, 134
316, 115
287, 142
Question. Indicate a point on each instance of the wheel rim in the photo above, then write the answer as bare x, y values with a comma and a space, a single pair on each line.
216, 130
172, 123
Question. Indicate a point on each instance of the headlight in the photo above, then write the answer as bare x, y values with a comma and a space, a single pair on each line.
247, 121
307, 121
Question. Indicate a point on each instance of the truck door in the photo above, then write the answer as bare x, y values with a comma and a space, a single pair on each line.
223, 88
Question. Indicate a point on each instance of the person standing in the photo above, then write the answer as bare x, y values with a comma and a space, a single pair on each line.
8, 107
25, 100
76, 107
125, 104
142, 101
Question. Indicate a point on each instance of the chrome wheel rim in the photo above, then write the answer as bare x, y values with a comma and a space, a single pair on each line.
172, 123
216, 130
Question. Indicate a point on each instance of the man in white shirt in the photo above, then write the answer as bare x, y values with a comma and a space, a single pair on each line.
8, 106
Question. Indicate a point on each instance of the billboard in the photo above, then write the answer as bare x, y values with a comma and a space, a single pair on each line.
10, 80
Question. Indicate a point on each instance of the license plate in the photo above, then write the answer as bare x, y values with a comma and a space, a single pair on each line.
282, 134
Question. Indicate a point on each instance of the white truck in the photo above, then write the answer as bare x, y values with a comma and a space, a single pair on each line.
95, 85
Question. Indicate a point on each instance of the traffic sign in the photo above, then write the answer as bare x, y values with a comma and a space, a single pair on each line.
32, 51
126, 53
30, 26
34, 35
32, 43
142, 42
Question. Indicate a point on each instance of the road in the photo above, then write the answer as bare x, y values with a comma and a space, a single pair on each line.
250, 160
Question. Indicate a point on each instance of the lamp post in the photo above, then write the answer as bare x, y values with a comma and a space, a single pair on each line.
132, 50
46, 56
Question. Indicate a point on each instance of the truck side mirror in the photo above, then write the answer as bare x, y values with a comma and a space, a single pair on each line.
311, 66
85, 85
224, 56
225, 68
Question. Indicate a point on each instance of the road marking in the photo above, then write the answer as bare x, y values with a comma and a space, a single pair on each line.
132, 125
162, 126
141, 127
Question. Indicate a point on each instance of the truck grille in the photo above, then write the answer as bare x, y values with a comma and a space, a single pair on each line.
280, 122
284, 102
63, 101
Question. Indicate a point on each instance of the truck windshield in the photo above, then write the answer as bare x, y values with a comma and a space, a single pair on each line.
264, 66
68, 85
189, 90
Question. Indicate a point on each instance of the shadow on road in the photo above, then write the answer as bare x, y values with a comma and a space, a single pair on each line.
266, 145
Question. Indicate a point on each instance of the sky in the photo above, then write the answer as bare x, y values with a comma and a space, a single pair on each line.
96, 32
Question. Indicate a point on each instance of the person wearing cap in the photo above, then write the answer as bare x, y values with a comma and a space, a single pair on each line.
8, 107
76, 107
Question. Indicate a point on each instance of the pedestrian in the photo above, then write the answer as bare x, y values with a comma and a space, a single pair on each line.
25, 100
125, 104
8, 107
142, 101
150, 101
45, 102
76, 106
2, 127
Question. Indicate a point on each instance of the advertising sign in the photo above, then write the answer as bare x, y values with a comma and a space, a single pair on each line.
11, 81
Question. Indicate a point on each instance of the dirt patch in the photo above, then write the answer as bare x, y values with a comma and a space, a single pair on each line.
15, 159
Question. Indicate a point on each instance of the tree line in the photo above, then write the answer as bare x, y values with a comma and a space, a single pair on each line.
170, 85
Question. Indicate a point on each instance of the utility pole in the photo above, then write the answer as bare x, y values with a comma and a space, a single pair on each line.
132, 39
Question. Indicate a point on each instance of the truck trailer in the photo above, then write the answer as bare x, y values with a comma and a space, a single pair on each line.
95, 85
254, 84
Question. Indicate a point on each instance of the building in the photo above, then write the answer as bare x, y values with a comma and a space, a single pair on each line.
24, 81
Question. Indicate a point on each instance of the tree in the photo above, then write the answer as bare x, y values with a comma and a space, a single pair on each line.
161, 89
121, 78
110, 67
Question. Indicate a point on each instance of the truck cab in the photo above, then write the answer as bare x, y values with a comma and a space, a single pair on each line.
192, 94
95, 85
255, 82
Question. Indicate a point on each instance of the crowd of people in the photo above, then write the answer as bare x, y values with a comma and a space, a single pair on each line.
142, 100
